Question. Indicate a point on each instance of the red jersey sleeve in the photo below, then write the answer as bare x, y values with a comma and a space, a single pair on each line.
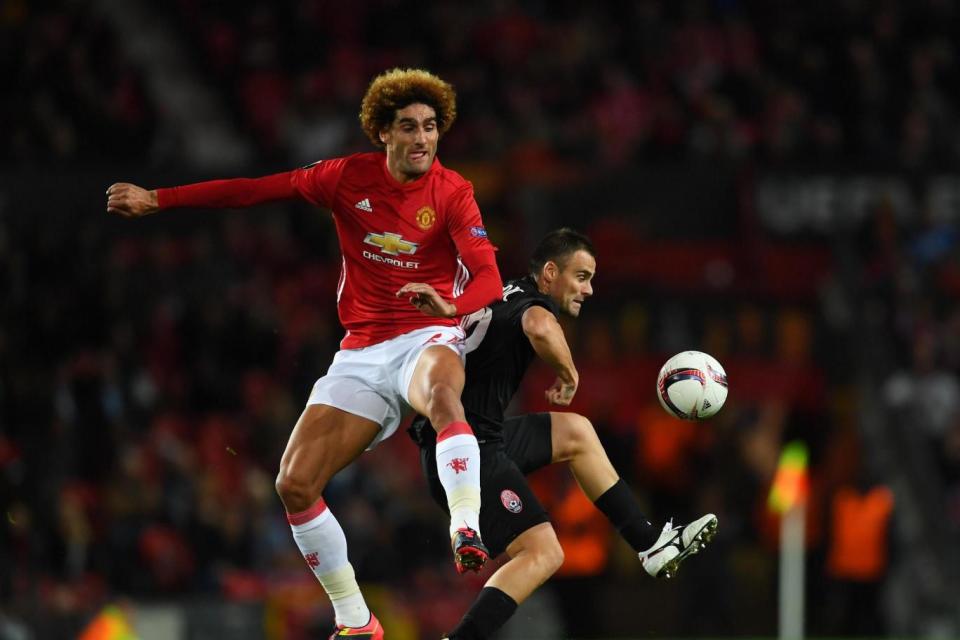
317, 182
476, 251
233, 193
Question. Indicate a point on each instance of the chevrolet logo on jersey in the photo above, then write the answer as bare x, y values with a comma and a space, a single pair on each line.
391, 244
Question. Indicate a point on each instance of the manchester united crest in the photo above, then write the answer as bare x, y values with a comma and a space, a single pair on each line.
426, 217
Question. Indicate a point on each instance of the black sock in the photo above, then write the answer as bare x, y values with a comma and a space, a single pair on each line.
489, 612
620, 506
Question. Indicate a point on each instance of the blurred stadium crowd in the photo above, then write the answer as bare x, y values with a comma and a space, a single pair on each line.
150, 371
626, 81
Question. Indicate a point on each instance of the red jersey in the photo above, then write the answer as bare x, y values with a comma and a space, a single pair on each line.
428, 230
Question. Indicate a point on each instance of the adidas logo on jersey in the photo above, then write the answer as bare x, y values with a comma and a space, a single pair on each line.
364, 205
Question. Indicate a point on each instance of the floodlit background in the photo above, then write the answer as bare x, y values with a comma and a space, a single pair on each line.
774, 182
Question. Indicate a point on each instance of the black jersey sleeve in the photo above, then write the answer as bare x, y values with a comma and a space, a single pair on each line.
524, 294
501, 324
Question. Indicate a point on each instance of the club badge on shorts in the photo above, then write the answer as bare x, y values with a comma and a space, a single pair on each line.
511, 501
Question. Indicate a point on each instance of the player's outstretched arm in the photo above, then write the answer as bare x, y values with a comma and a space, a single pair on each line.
547, 339
130, 201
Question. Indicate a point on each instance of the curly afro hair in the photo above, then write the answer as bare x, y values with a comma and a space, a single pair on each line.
399, 88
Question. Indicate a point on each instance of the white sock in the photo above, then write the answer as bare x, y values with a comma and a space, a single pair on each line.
458, 465
324, 547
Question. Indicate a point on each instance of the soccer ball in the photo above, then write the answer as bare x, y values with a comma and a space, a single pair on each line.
692, 386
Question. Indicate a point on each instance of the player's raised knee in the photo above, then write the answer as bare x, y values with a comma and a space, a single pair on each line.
582, 428
573, 434
551, 557
443, 405
443, 392
296, 491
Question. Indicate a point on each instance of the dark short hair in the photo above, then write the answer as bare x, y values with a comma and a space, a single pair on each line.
399, 88
558, 246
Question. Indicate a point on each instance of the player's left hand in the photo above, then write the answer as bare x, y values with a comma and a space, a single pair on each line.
561, 393
426, 299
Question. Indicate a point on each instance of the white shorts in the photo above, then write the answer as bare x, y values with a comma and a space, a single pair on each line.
373, 382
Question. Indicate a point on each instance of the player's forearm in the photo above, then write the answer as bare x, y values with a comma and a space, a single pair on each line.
485, 284
552, 348
231, 193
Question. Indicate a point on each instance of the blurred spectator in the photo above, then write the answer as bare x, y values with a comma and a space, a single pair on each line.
77, 97
858, 559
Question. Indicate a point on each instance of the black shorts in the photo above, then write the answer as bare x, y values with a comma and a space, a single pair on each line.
508, 506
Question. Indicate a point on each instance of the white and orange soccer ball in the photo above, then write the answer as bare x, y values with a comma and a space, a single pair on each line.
692, 386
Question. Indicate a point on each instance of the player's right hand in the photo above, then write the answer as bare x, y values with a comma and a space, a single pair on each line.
130, 201
561, 393
426, 299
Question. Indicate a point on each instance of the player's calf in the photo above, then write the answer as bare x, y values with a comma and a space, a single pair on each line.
458, 469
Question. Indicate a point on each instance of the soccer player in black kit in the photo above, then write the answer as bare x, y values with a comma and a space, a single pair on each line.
502, 340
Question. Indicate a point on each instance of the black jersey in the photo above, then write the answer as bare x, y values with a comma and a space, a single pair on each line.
498, 354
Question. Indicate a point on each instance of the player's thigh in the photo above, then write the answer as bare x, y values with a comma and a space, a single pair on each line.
508, 506
435, 365
356, 383
324, 441
528, 440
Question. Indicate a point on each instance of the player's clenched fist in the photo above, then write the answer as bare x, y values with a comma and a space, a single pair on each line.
131, 201
562, 392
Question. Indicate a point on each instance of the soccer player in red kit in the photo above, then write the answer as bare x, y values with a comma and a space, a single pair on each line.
415, 259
